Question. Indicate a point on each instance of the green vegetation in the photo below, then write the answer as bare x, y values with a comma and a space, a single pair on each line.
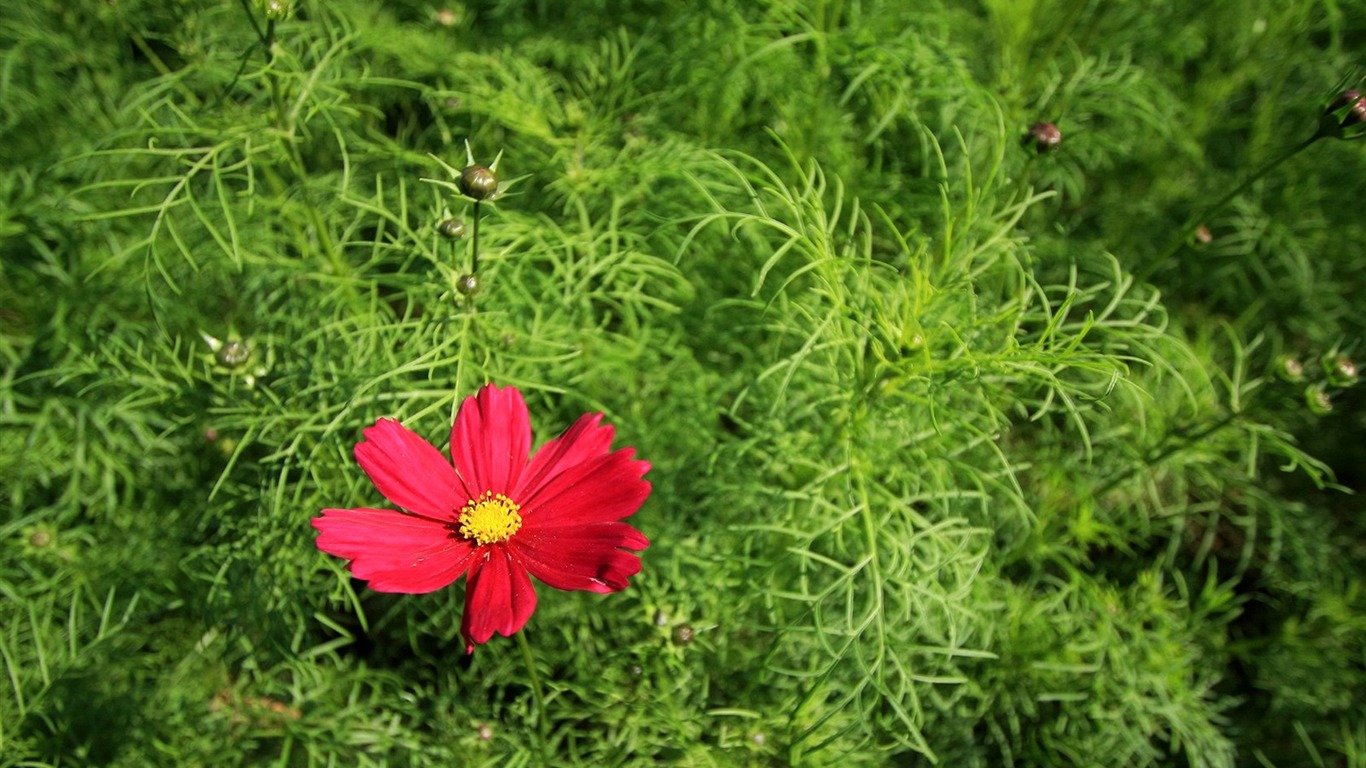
965, 453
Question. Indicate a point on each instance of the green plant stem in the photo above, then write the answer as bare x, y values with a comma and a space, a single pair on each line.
266, 37
474, 242
542, 719
1183, 235
1167, 452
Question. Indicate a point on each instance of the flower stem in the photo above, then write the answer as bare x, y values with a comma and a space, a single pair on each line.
1175, 444
1194, 222
474, 242
537, 693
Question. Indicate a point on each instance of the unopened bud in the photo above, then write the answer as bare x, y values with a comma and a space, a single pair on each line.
451, 229
233, 354
1290, 369
276, 10
478, 183
1318, 401
1042, 136
1340, 370
468, 285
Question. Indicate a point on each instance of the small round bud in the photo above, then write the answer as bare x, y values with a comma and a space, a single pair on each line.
1203, 236
1289, 369
276, 10
683, 634
1340, 370
210, 435
1318, 401
468, 285
233, 354
1042, 136
446, 17
485, 732
478, 182
660, 619
451, 229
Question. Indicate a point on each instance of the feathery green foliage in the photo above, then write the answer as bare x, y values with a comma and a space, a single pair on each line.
963, 453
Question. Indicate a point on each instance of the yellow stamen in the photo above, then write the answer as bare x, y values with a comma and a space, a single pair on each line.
489, 519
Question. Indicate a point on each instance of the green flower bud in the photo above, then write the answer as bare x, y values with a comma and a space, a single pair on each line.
233, 354
1340, 370
41, 539
1043, 136
276, 10
478, 183
1317, 399
468, 285
1289, 369
683, 634
451, 229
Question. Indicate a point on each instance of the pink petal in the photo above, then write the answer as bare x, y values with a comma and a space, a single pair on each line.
498, 597
599, 490
393, 551
585, 557
409, 471
491, 440
583, 441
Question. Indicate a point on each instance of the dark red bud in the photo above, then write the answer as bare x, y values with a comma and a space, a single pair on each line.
478, 182
1043, 137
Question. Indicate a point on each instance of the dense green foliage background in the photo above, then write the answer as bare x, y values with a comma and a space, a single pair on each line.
963, 454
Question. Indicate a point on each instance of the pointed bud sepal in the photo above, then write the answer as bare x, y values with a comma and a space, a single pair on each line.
238, 357
1345, 117
474, 181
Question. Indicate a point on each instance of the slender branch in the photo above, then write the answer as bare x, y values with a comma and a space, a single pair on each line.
1183, 235
1176, 445
542, 719
474, 242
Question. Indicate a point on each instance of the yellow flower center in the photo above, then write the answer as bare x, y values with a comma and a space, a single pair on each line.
489, 519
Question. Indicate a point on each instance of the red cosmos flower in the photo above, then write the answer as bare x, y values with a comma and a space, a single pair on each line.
496, 515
